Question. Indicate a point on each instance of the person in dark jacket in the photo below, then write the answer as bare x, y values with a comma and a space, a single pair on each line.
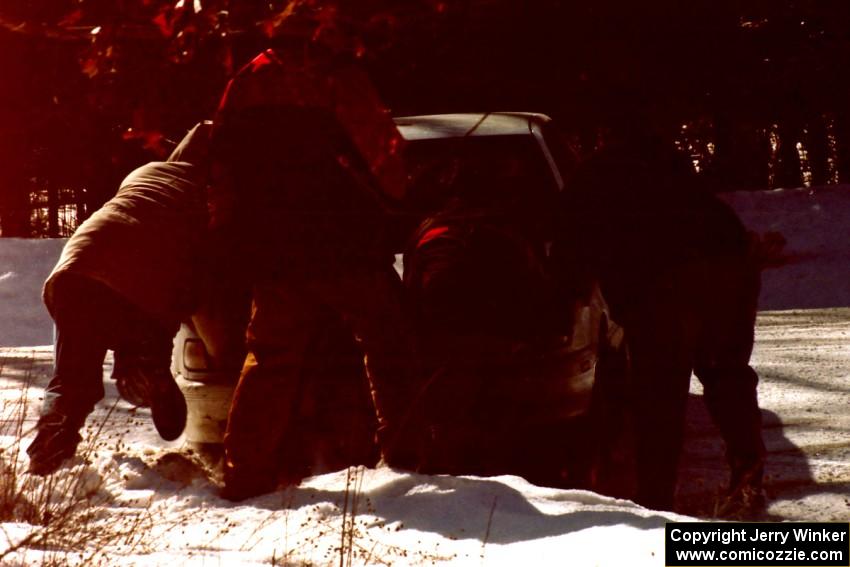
486, 317
674, 265
503, 352
305, 160
124, 282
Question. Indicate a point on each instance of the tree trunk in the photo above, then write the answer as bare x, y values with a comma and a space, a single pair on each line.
842, 142
788, 172
818, 150
14, 199
15, 214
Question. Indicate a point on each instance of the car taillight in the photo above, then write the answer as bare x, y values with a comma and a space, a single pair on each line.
195, 357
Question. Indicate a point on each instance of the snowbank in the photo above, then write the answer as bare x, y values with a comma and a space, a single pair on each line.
24, 265
148, 504
814, 222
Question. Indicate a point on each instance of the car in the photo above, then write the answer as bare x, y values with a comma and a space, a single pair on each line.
521, 150
518, 150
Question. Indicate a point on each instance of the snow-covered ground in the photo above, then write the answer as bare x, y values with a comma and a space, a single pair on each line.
148, 502
814, 224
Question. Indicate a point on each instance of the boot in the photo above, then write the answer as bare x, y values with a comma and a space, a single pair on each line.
126, 372
57, 439
168, 406
745, 499
145, 385
241, 484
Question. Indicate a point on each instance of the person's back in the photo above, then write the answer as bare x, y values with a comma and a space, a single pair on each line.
145, 240
299, 186
473, 273
632, 212
297, 208
488, 319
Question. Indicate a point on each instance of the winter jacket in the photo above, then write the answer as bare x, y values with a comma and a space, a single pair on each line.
309, 164
313, 81
476, 273
631, 214
143, 243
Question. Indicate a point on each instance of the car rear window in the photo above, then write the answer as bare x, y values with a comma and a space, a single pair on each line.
483, 169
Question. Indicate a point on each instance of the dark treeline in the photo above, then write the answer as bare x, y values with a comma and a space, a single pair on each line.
755, 90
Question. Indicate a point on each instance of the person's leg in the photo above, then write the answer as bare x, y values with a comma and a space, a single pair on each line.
283, 321
77, 382
337, 416
660, 334
371, 302
722, 365
91, 318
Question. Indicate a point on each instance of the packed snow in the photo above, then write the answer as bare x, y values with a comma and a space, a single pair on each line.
143, 501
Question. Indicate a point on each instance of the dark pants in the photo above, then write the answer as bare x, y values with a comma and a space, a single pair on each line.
90, 319
500, 407
287, 317
698, 318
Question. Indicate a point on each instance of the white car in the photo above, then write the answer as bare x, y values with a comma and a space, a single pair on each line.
518, 150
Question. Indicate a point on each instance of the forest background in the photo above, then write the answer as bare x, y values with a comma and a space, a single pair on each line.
756, 91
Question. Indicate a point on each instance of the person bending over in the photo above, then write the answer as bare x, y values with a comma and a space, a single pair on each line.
123, 282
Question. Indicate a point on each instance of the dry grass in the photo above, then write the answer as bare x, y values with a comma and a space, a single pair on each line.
363, 537
81, 515
58, 519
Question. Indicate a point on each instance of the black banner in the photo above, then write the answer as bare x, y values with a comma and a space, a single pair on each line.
767, 544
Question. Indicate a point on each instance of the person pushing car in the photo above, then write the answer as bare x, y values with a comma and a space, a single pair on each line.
124, 282
675, 267
306, 161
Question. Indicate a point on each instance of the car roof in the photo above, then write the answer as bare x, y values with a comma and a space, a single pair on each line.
433, 126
